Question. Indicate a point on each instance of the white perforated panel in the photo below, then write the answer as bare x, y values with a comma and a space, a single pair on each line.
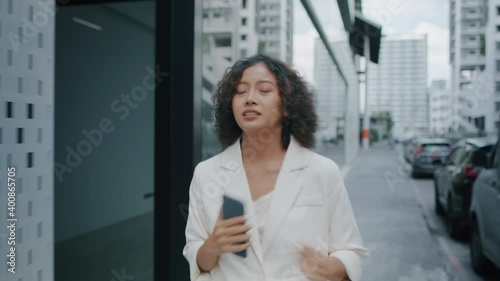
26, 135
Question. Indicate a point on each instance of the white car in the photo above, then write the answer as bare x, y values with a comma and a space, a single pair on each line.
485, 217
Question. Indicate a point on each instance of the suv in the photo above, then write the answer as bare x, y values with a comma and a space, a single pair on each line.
427, 155
485, 217
453, 182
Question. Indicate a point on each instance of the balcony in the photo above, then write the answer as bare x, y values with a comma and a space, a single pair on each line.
471, 30
472, 61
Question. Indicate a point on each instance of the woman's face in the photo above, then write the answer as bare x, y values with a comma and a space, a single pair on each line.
256, 103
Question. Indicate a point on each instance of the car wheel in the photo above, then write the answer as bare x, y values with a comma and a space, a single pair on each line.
438, 207
480, 262
453, 224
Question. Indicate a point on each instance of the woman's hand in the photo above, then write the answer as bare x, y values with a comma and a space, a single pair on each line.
318, 267
229, 236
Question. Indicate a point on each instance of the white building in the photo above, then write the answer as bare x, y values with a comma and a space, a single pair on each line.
474, 33
492, 69
275, 26
440, 107
329, 88
398, 83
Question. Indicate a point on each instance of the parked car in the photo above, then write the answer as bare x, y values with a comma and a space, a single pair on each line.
410, 145
485, 217
427, 152
453, 182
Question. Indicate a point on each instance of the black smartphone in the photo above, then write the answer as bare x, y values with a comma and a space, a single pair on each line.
233, 208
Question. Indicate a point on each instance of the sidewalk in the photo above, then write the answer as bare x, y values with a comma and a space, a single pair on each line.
390, 219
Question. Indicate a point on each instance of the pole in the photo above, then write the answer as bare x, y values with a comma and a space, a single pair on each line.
366, 118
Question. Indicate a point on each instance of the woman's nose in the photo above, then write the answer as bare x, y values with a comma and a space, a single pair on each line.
251, 97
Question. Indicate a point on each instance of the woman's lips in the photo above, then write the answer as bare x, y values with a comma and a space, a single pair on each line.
251, 114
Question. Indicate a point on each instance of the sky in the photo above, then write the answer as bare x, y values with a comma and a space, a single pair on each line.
429, 17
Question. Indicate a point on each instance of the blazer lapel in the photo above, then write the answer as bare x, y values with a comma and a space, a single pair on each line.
288, 186
238, 188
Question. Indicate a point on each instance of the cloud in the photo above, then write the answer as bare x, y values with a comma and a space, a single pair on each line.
438, 50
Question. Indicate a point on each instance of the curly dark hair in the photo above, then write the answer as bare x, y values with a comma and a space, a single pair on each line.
296, 97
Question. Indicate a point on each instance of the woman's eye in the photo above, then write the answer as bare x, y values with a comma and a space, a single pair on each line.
265, 91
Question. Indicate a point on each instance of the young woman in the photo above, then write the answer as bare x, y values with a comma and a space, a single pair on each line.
298, 222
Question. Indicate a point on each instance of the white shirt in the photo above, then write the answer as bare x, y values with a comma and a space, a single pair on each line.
261, 207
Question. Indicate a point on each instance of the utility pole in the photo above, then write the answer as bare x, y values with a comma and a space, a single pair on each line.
366, 118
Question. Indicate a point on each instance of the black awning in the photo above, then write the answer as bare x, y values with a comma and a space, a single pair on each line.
365, 27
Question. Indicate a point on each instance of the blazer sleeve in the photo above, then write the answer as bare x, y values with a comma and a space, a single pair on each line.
345, 241
196, 233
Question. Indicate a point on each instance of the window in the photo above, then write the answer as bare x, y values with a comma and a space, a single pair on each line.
457, 156
498, 65
498, 10
498, 28
205, 14
29, 111
244, 21
497, 87
243, 37
217, 14
497, 106
8, 112
244, 4
223, 42
498, 46
472, 38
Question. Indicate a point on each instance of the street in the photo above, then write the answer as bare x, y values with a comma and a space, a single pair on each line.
395, 214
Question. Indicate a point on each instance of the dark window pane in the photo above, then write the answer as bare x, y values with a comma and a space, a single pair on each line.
20, 135
30, 111
9, 110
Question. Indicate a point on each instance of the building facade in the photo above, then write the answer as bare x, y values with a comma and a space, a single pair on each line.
474, 33
275, 28
398, 84
439, 107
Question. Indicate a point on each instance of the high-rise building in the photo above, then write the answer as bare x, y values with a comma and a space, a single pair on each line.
275, 28
474, 33
440, 107
398, 83
492, 48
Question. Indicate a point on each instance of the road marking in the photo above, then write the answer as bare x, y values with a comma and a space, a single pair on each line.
453, 259
427, 214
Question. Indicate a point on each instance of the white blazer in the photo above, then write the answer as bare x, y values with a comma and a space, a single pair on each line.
310, 206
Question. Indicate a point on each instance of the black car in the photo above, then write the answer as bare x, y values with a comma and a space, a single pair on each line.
428, 154
453, 182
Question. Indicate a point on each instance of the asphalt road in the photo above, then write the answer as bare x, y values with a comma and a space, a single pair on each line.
395, 214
